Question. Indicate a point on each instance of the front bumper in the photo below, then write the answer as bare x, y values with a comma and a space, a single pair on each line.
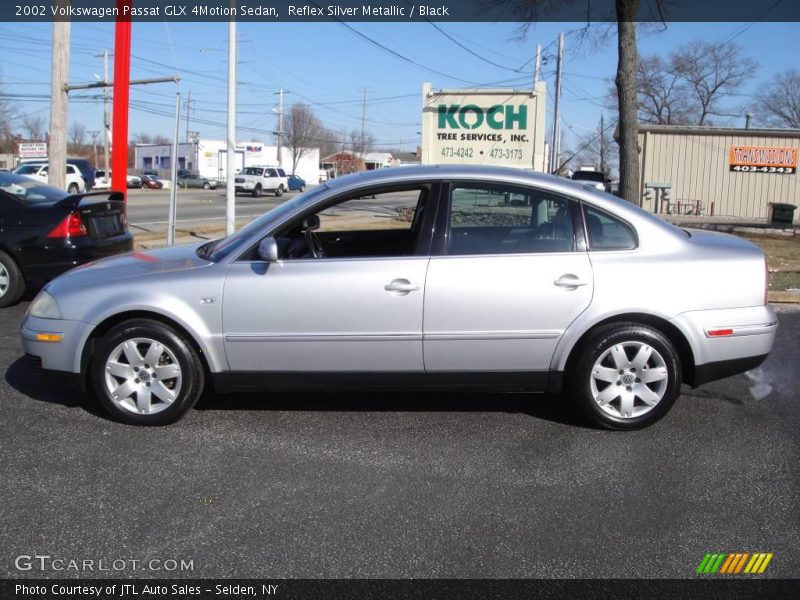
64, 355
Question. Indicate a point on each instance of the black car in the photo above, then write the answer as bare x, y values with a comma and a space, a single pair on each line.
45, 231
86, 169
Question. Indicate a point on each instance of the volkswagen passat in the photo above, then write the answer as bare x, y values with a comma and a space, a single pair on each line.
443, 277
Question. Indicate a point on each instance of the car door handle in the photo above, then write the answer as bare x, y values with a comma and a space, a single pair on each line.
401, 286
569, 281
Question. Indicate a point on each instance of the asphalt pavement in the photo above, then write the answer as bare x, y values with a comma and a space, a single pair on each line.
401, 485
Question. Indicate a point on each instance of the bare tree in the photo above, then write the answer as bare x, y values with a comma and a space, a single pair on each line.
779, 100
662, 101
710, 73
77, 134
626, 13
34, 127
361, 142
303, 130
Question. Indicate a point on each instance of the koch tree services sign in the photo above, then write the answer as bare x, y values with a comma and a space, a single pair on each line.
484, 127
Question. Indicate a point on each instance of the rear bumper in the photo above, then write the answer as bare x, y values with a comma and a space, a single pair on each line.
729, 341
725, 368
43, 263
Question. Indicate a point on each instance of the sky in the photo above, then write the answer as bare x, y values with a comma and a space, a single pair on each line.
328, 66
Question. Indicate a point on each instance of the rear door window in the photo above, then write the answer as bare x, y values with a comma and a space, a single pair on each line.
605, 232
507, 220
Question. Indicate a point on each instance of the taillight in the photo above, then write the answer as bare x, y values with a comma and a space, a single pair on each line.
70, 227
766, 281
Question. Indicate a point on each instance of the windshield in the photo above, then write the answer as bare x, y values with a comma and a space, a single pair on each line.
27, 169
253, 171
29, 190
219, 249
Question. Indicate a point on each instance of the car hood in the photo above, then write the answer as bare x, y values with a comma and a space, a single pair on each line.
133, 264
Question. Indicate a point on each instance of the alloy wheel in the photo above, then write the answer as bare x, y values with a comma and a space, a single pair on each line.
629, 379
143, 376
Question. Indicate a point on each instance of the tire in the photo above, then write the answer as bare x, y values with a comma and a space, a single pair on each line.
12, 283
257, 191
279, 191
126, 347
73, 189
302, 189
206, 186
611, 360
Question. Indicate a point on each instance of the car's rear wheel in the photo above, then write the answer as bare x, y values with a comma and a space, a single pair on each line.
145, 373
12, 283
279, 191
73, 188
302, 189
627, 376
257, 191
206, 186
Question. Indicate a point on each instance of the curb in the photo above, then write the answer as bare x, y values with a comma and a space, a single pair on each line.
784, 297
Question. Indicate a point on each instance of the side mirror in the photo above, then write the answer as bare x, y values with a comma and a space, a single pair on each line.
268, 249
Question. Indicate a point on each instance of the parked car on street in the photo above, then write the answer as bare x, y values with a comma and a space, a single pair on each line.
193, 180
594, 178
38, 171
151, 183
101, 182
450, 277
45, 231
295, 183
133, 181
86, 169
260, 179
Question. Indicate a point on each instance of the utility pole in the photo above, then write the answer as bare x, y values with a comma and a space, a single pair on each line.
188, 105
94, 135
537, 69
555, 150
602, 145
106, 127
173, 188
280, 93
363, 125
230, 189
57, 146
747, 117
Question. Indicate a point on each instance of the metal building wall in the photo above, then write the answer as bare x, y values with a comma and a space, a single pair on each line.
695, 161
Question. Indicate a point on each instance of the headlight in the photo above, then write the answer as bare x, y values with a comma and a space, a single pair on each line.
44, 306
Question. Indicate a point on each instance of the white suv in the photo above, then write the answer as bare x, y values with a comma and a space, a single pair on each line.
75, 182
257, 180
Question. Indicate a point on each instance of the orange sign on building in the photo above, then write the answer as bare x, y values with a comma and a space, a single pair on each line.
763, 159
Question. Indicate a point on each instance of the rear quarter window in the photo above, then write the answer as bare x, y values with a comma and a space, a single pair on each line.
606, 232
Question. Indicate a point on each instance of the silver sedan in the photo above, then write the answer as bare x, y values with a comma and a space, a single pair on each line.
438, 277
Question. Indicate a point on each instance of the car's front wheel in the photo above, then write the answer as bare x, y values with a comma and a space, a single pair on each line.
257, 191
145, 373
73, 188
627, 376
